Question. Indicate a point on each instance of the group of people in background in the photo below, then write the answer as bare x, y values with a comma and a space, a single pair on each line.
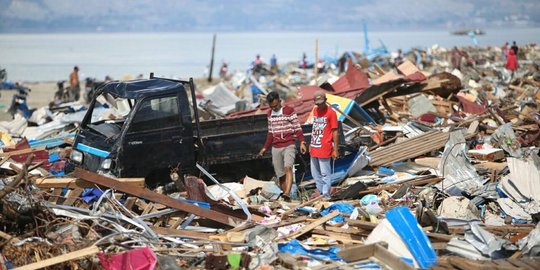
509, 57
284, 130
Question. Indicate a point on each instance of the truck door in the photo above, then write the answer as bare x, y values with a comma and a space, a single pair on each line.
156, 137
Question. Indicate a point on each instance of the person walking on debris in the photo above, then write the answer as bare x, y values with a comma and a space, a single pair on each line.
511, 63
283, 125
515, 48
273, 64
223, 70
456, 58
324, 143
504, 51
399, 58
303, 63
74, 82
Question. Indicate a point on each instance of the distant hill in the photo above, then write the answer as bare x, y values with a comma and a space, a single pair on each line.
269, 15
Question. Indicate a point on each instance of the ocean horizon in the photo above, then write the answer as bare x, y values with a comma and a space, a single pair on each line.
51, 56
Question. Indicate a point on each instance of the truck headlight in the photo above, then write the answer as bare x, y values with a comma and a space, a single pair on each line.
76, 156
106, 164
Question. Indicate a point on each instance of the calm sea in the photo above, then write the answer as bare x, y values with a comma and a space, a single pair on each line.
50, 57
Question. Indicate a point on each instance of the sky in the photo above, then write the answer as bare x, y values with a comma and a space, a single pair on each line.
35, 16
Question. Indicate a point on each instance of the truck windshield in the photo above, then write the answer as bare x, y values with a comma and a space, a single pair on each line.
109, 114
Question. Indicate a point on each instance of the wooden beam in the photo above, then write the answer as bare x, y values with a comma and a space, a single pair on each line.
183, 233
156, 197
301, 205
22, 152
378, 69
313, 225
8, 236
366, 225
342, 237
60, 259
72, 182
72, 196
362, 252
288, 222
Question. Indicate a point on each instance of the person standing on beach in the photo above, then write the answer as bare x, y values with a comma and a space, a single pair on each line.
324, 143
283, 127
74, 83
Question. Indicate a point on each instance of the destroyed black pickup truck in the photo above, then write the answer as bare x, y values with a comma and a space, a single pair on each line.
145, 128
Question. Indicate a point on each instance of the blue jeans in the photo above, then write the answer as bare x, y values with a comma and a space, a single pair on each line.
321, 170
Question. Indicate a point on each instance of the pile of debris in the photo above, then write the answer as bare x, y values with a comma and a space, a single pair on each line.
440, 169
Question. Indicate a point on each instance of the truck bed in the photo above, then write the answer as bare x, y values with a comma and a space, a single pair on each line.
234, 140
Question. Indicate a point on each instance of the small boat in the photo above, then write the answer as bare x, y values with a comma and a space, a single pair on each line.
465, 32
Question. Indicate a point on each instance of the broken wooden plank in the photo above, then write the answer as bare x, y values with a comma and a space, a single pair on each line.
487, 154
288, 212
378, 70
313, 225
432, 162
8, 236
463, 263
130, 201
342, 237
498, 166
72, 196
71, 182
288, 222
362, 252
22, 152
55, 195
503, 229
182, 233
60, 259
519, 264
156, 197
362, 224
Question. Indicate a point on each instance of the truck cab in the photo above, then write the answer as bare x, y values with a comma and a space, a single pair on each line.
135, 127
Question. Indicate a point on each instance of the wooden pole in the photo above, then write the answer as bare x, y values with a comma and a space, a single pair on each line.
316, 59
212, 59
91, 250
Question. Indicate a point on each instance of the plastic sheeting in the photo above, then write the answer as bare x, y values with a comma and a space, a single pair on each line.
294, 247
136, 259
411, 233
221, 97
343, 208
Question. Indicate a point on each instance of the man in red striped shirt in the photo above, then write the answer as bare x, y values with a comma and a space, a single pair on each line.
283, 127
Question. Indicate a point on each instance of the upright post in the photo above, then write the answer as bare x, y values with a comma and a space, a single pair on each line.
212, 59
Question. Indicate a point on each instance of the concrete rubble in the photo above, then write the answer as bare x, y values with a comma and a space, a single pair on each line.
440, 170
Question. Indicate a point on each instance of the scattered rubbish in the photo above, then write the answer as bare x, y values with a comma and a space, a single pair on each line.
438, 169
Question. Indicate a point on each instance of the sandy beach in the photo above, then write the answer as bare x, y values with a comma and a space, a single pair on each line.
42, 93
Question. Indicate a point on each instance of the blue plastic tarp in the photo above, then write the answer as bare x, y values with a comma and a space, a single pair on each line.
91, 194
411, 233
343, 208
294, 247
